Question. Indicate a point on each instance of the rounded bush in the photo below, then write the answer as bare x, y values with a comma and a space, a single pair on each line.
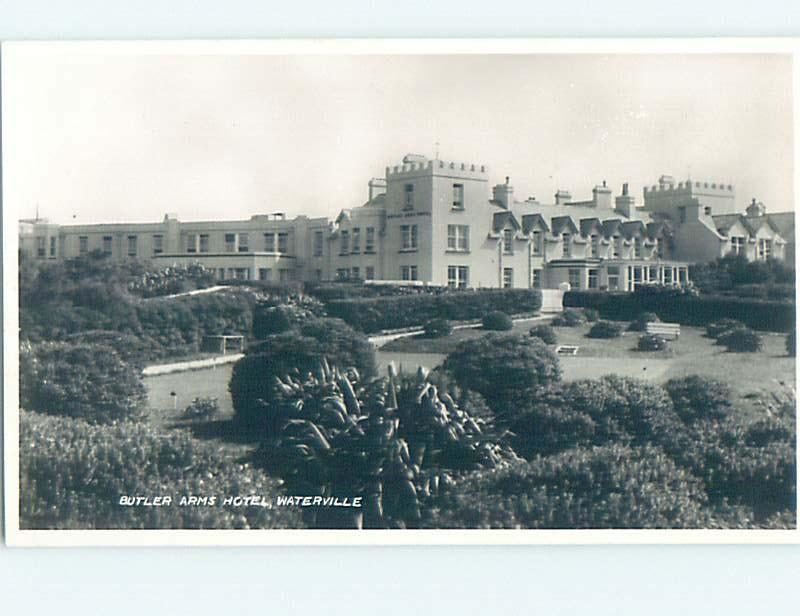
601, 487
717, 328
639, 324
696, 397
791, 343
270, 320
438, 328
741, 340
651, 342
201, 408
253, 378
497, 321
89, 381
501, 367
545, 333
605, 329
569, 318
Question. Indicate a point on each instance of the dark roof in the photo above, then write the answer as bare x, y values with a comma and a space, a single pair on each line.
723, 222
501, 219
532, 221
784, 222
559, 223
612, 226
633, 227
657, 229
591, 224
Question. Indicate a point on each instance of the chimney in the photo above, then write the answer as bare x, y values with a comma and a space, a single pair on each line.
377, 186
601, 196
503, 194
625, 203
755, 209
562, 197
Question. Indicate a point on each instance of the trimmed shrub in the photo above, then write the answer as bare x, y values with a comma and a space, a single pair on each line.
79, 380
497, 321
544, 428
545, 333
373, 314
791, 343
717, 328
605, 487
591, 315
569, 318
270, 320
741, 340
438, 328
697, 397
502, 367
605, 329
201, 408
253, 377
651, 342
678, 306
640, 323
72, 475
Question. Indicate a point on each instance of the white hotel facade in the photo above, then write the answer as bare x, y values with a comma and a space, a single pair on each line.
438, 222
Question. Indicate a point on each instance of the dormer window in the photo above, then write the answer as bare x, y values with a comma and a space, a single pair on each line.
508, 241
595, 239
637, 248
537, 242
566, 240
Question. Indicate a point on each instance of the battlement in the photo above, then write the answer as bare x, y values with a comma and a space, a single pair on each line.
437, 167
689, 187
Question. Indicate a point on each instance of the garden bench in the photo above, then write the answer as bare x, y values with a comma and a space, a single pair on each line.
671, 330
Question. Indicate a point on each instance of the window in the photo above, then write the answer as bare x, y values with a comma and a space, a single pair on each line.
318, 243
536, 283
83, 244
566, 240
408, 203
652, 274
613, 278
595, 243
682, 213
574, 276
737, 245
369, 243
508, 241
344, 246
370, 274
264, 273
191, 243
668, 275
537, 242
682, 275
221, 273
617, 251
637, 248
230, 242
356, 273
408, 272
458, 196
409, 237
318, 274
285, 275
707, 210
269, 241
107, 241
458, 238
660, 250
132, 241
52, 247
158, 244
764, 249
342, 273
283, 242
356, 247
594, 279
41, 247
508, 277
244, 241
240, 273
457, 276
637, 276
204, 242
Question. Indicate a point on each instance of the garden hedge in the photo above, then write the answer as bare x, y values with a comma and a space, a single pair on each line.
373, 314
686, 309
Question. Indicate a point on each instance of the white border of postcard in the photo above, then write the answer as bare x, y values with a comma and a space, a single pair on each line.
17, 537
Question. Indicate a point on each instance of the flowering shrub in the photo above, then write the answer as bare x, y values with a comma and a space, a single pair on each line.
651, 342
79, 380
696, 397
201, 408
72, 475
171, 280
741, 340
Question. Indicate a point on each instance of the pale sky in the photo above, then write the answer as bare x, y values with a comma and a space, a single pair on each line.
92, 137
